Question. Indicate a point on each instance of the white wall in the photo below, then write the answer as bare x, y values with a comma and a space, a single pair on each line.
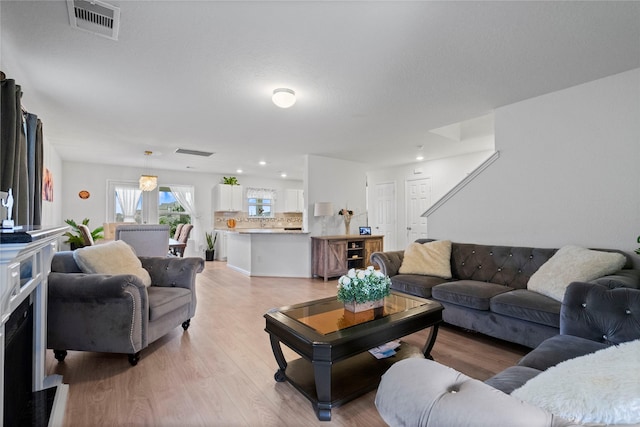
444, 174
568, 173
93, 178
340, 182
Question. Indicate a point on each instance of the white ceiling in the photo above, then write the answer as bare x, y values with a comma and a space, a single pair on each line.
372, 78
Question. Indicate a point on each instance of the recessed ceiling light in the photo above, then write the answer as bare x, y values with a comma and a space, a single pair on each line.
262, 163
284, 97
238, 170
419, 157
283, 174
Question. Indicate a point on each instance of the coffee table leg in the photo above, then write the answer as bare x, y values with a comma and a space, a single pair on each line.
282, 363
322, 376
431, 340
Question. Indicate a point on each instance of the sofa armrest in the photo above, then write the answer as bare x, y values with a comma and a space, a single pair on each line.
389, 262
421, 392
628, 278
173, 272
82, 307
595, 312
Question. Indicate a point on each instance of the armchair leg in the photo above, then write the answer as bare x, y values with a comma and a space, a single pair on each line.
186, 324
60, 355
134, 358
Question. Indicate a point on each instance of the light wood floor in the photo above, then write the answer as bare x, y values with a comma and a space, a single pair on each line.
220, 372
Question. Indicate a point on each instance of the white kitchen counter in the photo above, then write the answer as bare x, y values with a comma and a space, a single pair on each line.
269, 252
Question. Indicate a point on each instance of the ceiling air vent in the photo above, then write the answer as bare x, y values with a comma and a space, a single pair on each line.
194, 152
94, 16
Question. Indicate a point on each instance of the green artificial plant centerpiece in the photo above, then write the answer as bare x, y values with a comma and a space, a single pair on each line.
360, 286
74, 237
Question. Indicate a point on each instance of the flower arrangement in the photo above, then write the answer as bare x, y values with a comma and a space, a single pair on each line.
345, 212
360, 286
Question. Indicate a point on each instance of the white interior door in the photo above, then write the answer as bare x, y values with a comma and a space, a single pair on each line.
418, 199
383, 220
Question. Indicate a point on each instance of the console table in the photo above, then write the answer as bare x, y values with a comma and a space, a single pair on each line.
25, 262
333, 256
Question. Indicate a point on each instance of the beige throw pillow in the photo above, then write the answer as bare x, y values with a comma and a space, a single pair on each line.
115, 257
429, 259
573, 264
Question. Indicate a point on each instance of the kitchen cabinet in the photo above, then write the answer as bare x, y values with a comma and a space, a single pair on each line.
228, 197
333, 256
221, 246
293, 200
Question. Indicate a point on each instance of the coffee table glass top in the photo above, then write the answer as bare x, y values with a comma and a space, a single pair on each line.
328, 316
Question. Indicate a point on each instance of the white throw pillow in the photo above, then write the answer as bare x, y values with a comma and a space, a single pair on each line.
115, 257
429, 259
602, 387
573, 264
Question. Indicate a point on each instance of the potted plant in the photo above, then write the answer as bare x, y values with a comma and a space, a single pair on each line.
74, 237
361, 290
211, 244
232, 180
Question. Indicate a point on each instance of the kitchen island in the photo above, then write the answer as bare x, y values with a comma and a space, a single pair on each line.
273, 252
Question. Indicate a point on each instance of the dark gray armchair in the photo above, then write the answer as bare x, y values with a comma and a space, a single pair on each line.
117, 313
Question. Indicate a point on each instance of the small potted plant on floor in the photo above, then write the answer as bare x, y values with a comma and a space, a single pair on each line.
211, 244
74, 237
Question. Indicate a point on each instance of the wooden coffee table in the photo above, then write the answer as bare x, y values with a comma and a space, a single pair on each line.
335, 366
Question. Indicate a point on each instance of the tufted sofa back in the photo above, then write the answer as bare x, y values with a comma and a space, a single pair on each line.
610, 316
504, 265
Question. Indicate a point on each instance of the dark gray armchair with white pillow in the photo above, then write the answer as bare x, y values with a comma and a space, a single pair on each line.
419, 392
118, 313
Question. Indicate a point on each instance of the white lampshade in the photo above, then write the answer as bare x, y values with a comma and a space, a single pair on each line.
148, 182
323, 209
283, 97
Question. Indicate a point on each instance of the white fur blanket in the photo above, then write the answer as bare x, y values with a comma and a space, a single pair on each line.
602, 387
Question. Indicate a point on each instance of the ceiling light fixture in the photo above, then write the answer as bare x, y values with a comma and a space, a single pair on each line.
420, 155
262, 163
238, 170
283, 174
148, 182
283, 97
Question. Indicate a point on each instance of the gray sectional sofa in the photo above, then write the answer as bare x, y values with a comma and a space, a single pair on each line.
420, 392
488, 290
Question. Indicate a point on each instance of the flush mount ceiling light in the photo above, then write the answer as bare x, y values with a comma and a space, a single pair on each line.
283, 97
148, 182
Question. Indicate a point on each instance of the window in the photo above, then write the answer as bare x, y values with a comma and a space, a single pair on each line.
127, 203
170, 210
260, 207
260, 202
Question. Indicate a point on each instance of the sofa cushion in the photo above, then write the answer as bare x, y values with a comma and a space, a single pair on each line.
527, 305
573, 264
164, 300
557, 349
111, 258
415, 284
430, 259
512, 378
504, 265
468, 293
602, 387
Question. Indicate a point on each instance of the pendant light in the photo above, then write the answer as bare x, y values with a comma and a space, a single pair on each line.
148, 182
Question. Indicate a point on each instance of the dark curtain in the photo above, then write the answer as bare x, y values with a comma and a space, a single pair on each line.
20, 163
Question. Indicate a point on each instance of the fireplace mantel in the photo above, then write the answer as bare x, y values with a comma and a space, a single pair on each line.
25, 263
